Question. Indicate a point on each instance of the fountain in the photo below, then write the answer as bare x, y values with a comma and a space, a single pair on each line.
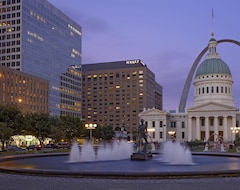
118, 150
74, 153
175, 153
114, 160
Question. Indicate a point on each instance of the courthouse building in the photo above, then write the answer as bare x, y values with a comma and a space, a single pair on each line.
213, 113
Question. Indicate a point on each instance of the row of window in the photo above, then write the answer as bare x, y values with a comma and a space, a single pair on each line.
12, 64
173, 124
161, 135
211, 121
10, 43
9, 2
217, 89
107, 76
8, 16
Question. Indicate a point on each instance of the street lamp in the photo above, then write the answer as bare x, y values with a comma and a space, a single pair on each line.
172, 134
235, 130
90, 127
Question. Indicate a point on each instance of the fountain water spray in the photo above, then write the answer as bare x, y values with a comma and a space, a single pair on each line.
176, 154
118, 150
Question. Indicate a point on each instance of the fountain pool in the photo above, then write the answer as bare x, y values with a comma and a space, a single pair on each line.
202, 164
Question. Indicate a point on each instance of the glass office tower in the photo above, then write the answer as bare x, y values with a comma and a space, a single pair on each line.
37, 38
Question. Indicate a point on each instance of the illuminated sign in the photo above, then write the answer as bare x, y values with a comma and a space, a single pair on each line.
136, 61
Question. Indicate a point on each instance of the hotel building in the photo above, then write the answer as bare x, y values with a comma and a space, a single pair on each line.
38, 39
113, 93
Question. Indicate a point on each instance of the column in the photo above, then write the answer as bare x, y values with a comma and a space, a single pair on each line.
206, 128
189, 128
157, 130
233, 125
215, 128
197, 128
225, 129
165, 131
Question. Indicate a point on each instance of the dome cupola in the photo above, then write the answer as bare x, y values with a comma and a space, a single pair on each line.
213, 64
213, 79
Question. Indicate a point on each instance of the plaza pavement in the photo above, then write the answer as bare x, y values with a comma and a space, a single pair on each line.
28, 182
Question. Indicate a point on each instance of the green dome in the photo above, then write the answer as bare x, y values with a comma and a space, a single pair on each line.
213, 66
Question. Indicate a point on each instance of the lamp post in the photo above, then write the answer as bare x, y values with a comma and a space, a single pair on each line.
90, 127
171, 134
235, 130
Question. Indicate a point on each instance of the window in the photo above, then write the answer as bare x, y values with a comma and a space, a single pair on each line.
183, 135
173, 124
220, 121
153, 135
161, 135
211, 121
153, 123
160, 124
202, 121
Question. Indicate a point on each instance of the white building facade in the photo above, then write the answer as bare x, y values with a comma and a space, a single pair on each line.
213, 113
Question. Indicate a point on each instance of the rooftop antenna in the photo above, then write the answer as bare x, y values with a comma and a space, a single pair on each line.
212, 34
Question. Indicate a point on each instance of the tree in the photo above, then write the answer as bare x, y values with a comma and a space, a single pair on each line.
40, 125
6, 133
72, 127
104, 132
56, 129
10, 122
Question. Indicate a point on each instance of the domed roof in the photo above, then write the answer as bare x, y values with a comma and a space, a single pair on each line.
213, 66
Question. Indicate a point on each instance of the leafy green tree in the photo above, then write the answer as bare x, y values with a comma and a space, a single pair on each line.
40, 125
5, 132
10, 122
72, 127
56, 129
104, 132
237, 139
10, 115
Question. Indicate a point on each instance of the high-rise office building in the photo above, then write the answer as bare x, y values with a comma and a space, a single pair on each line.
37, 38
114, 93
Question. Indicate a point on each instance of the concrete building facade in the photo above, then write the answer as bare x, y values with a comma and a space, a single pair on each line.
113, 93
28, 93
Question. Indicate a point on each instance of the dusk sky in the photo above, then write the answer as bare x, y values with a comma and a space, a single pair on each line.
167, 35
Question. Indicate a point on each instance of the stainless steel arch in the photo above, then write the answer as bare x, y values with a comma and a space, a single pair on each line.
184, 96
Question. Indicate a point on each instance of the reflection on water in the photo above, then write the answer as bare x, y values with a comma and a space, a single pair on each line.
15, 165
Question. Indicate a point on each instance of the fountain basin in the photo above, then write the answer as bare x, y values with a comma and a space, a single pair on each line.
206, 164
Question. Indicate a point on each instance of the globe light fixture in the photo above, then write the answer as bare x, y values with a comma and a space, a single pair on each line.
90, 127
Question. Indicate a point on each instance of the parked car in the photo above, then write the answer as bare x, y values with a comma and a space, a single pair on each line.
51, 145
63, 145
10, 148
32, 147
